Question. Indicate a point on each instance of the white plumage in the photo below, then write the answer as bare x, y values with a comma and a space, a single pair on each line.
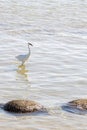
25, 57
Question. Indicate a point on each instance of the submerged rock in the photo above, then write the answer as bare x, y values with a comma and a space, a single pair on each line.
80, 104
23, 106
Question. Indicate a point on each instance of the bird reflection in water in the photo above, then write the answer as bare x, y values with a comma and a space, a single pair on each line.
23, 72
23, 80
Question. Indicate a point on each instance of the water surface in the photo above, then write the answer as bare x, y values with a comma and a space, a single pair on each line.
56, 71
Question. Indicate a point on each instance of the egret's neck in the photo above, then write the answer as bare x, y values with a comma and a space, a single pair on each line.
29, 51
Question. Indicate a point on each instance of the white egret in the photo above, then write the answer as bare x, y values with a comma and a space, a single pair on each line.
25, 57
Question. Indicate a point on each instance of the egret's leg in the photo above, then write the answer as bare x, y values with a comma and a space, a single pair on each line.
22, 63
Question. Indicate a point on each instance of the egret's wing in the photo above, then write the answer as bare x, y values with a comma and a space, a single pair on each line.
21, 57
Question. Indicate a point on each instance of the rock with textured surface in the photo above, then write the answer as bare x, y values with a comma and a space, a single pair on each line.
23, 106
79, 104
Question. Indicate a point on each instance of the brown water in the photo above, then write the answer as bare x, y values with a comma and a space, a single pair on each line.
57, 69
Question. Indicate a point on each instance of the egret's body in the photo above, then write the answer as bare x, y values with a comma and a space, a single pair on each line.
25, 57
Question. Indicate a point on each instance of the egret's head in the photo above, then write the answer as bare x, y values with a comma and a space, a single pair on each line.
30, 44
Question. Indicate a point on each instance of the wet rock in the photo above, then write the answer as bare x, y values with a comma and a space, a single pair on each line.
80, 104
23, 106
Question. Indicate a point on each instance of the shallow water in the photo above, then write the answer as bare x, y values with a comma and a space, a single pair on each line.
56, 71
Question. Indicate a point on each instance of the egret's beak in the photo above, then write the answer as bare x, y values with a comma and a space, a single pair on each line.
30, 44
